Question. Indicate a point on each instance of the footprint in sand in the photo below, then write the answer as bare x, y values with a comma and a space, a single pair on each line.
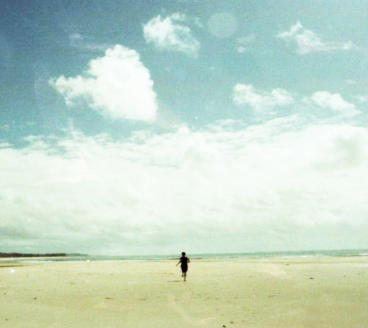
180, 310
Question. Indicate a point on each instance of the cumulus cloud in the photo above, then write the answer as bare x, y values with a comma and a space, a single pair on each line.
170, 34
260, 100
308, 42
117, 85
331, 101
278, 185
248, 95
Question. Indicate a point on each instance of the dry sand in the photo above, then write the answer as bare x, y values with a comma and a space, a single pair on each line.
243, 293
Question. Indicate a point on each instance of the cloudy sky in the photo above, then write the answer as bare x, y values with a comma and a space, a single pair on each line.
152, 127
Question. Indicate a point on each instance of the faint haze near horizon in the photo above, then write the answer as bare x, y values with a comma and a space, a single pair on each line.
153, 128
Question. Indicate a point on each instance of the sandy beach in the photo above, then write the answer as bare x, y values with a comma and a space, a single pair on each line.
298, 292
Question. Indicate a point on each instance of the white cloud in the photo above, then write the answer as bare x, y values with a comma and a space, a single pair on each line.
75, 37
331, 101
169, 34
117, 85
308, 42
223, 188
260, 100
361, 98
351, 82
243, 44
83, 44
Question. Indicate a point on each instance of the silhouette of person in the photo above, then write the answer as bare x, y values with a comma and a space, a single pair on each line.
184, 265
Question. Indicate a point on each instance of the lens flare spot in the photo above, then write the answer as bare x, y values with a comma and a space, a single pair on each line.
222, 25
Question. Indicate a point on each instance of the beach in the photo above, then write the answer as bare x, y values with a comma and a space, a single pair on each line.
276, 292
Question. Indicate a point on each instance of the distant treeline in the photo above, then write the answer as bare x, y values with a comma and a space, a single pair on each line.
38, 255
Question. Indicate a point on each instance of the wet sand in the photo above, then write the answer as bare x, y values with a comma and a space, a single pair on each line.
312, 292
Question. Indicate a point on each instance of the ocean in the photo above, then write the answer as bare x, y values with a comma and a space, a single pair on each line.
213, 256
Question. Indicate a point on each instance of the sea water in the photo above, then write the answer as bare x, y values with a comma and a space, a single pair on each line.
213, 256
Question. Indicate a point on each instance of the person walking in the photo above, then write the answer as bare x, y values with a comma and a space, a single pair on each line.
184, 265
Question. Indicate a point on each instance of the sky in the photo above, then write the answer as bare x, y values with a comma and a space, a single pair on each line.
205, 126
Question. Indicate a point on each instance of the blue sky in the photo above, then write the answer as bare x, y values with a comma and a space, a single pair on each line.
156, 126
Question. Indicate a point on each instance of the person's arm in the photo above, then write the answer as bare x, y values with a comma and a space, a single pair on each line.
177, 263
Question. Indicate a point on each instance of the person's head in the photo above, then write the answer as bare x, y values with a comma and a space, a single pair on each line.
183, 253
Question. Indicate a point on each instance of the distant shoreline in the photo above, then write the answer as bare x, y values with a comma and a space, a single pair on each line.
12, 255
196, 256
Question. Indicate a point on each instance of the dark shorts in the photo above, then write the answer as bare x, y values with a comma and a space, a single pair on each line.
184, 269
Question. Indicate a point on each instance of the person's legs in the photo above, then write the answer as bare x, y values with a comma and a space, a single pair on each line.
184, 270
